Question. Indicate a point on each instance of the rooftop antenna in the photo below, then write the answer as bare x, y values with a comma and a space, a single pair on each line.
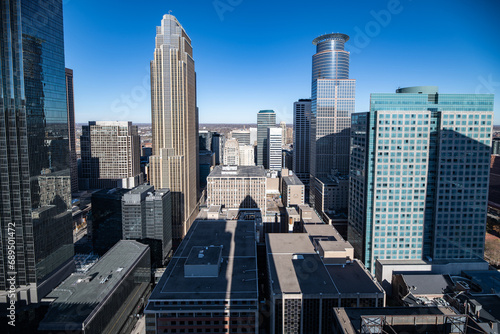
169, 12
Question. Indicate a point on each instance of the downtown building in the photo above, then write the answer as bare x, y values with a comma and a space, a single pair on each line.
111, 155
265, 119
35, 181
419, 176
231, 153
243, 136
311, 273
237, 187
302, 140
174, 116
274, 153
147, 218
70, 97
104, 299
332, 103
247, 155
211, 283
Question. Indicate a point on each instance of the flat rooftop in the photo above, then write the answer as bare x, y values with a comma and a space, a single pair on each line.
141, 188
292, 180
428, 284
296, 268
238, 271
76, 298
238, 171
350, 318
322, 232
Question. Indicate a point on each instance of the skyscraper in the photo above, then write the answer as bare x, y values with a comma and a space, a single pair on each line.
265, 120
70, 97
331, 107
231, 153
111, 153
419, 176
243, 136
35, 206
274, 141
283, 133
302, 139
147, 217
247, 155
174, 117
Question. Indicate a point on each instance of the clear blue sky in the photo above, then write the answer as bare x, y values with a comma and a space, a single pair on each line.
256, 54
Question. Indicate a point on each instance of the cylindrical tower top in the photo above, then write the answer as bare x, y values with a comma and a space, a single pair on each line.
331, 61
333, 42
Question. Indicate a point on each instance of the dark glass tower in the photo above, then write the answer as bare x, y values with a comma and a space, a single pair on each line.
70, 97
34, 159
301, 139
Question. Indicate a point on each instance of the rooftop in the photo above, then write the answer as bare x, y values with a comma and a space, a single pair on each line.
427, 284
237, 276
296, 268
239, 171
80, 294
327, 37
292, 180
350, 318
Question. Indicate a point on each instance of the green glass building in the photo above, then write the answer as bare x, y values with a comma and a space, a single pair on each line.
419, 174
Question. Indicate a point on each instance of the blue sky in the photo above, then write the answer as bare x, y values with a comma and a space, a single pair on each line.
255, 54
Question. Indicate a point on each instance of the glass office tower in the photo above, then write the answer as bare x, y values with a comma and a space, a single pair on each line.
419, 176
34, 150
333, 95
302, 139
265, 119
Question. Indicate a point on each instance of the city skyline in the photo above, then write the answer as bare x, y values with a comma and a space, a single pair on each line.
390, 47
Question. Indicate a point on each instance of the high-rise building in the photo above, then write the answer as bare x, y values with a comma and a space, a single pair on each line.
70, 97
283, 133
205, 138
243, 136
247, 155
253, 136
332, 103
35, 205
206, 161
265, 120
105, 226
302, 139
419, 176
147, 218
274, 148
495, 146
231, 153
174, 118
218, 141
111, 155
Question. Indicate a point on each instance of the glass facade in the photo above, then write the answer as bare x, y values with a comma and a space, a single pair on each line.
333, 96
265, 119
419, 175
332, 102
35, 148
301, 139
